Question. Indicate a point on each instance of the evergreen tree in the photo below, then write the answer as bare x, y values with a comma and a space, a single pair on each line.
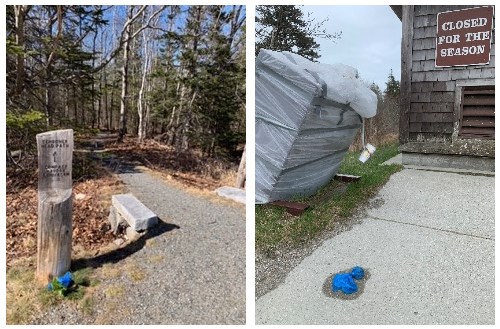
284, 28
50, 56
376, 89
173, 72
392, 86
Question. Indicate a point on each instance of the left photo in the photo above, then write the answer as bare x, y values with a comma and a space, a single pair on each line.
125, 164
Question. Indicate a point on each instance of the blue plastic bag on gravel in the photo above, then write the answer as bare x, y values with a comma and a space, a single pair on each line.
64, 281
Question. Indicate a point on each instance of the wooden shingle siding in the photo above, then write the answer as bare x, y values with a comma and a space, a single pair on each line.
443, 75
424, 32
487, 72
425, 54
426, 10
431, 127
430, 65
419, 87
431, 117
444, 86
424, 21
432, 89
442, 97
431, 107
459, 74
433, 97
422, 44
423, 66
435, 137
420, 97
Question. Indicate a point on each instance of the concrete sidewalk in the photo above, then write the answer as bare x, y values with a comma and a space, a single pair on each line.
429, 248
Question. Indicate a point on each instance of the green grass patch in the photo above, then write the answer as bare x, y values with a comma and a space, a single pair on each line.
26, 297
335, 201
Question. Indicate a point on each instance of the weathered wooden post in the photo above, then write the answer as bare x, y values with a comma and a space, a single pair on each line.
55, 203
241, 177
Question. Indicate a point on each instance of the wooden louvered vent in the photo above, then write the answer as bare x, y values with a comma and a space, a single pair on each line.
478, 112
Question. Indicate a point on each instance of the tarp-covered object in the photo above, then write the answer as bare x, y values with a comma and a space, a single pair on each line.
307, 115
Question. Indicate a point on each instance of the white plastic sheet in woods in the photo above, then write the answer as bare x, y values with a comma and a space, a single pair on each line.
307, 115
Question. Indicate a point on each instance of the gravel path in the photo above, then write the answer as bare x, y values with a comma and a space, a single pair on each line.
190, 269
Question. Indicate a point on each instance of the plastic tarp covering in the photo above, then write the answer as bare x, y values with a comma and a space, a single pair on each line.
307, 115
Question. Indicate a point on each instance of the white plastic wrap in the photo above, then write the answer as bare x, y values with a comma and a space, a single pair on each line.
307, 115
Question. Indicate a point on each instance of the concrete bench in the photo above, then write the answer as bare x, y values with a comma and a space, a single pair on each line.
126, 208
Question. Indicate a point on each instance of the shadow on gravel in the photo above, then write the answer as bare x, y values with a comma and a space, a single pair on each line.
122, 253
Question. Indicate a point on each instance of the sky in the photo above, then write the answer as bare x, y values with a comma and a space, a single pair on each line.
370, 41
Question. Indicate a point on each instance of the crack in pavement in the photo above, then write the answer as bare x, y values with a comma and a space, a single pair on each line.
429, 227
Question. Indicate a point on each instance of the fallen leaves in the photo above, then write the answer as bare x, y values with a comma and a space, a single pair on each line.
90, 213
80, 196
190, 168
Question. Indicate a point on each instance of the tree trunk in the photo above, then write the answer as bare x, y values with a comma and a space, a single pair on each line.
147, 119
55, 229
48, 98
99, 104
20, 13
124, 94
141, 131
128, 36
48, 64
94, 114
112, 104
105, 95
75, 104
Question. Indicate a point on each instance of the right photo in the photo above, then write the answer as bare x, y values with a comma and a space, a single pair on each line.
375, 165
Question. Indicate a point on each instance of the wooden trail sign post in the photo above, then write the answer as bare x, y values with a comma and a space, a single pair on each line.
55, 203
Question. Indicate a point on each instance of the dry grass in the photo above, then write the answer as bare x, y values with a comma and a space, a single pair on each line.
150, 243
114, 291
112, 307
107, 191
22, 291
134, 272
87, 305
375, 140
27, 297
111, 271
225, 177
208, 194
156, 259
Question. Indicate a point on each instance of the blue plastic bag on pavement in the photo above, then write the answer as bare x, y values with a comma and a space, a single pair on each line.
345, 281
358, 273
